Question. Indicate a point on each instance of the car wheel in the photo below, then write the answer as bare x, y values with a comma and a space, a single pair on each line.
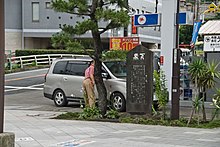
60, 98
118, 102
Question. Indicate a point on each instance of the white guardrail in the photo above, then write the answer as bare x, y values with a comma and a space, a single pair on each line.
36, 60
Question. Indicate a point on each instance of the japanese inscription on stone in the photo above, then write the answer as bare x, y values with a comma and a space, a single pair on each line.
139, 80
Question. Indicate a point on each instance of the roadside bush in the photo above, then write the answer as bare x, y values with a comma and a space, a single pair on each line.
27, 52
90, 113
112, 114
114, 54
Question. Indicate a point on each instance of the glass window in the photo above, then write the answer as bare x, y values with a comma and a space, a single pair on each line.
117, 68
48, 5
35, 11
59, 68
76, 68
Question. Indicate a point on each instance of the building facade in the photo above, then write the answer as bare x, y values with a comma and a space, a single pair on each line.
31, 23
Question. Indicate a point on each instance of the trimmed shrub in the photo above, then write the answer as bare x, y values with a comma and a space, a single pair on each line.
27, 52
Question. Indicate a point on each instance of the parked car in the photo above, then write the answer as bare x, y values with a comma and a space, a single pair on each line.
63, 82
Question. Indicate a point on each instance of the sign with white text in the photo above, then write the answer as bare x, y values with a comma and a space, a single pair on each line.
212, 43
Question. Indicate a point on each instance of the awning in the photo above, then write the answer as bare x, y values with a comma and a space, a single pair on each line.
212, 27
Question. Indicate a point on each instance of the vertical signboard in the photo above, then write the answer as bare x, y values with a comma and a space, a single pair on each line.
133, 27
123, 43
139, 80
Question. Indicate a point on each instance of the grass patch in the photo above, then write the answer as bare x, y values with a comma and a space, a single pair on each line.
138, 119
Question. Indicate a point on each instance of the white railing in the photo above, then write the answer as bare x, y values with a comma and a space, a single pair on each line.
36, 60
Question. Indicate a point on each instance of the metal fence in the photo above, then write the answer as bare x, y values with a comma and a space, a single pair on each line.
36, 60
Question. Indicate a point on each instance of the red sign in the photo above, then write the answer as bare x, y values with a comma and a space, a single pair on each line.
161, 60
123, 43
133, 28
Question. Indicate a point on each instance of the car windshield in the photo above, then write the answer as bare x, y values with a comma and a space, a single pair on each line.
117, 68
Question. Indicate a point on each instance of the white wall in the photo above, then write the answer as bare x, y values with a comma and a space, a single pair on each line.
13, 39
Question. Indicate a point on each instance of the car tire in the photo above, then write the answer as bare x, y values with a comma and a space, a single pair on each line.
59, 98
118, 102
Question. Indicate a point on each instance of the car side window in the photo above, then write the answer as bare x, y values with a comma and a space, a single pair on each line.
59, 67
76, 68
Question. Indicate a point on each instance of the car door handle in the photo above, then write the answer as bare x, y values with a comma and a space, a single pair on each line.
65, 78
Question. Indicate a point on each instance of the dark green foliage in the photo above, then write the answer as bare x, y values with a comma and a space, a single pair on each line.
212, 124
27, 52
90, 113
94, 114
60, 40
112, 114
185, 34
114, 54
94, 12
161, 90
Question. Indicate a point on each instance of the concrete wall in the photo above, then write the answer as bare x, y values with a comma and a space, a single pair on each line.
37, 43
13, 40
13, 14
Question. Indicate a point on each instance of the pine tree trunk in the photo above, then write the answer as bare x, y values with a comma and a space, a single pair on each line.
102, 93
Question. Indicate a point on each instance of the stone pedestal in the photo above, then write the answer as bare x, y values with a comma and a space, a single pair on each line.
7, 139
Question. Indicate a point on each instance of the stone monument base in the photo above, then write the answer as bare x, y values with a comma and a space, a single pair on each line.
7, 139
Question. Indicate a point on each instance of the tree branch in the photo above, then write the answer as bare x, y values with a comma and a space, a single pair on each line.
109, 26
77, 13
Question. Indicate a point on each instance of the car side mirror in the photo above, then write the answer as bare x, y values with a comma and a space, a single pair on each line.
105, 75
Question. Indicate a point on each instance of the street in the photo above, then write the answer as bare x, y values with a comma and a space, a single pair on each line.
24, 90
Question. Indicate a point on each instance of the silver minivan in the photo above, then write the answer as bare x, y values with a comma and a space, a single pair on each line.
63, 82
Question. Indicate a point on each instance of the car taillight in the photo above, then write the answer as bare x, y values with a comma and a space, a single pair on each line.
45, 77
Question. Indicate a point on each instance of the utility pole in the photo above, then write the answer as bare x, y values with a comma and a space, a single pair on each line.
156, 6
197, 17
176, 71
2, 63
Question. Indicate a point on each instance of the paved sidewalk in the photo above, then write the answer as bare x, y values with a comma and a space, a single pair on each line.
35, 129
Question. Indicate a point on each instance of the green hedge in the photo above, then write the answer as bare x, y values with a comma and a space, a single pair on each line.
26, 52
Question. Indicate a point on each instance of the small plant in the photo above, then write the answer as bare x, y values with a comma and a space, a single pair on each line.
161, 90
34, 63
90, 113
112, 114
196, 105
216, 103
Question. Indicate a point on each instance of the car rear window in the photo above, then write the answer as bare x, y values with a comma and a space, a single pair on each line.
76, 68
59, 67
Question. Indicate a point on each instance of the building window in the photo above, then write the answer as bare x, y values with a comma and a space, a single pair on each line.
48, 5
35, 11
138, 11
